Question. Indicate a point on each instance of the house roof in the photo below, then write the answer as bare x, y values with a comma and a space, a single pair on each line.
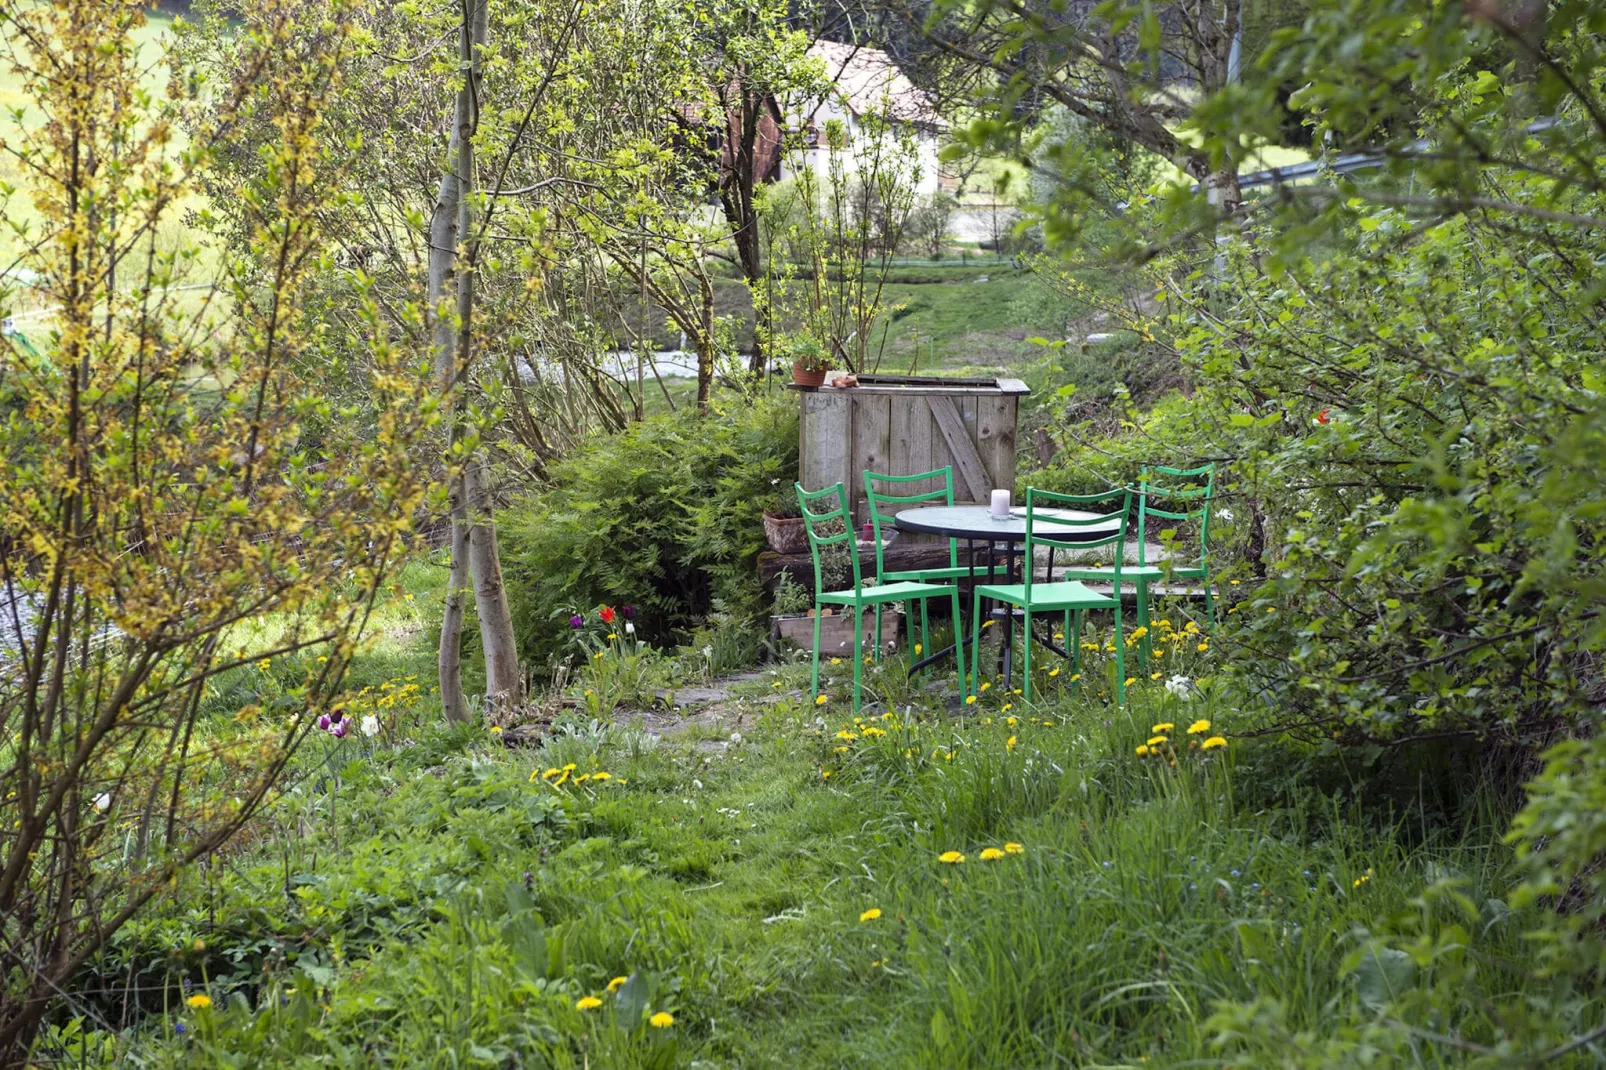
867, 80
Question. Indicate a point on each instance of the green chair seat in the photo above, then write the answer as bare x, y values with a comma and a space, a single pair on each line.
1059, 595
885, 592
1131, 572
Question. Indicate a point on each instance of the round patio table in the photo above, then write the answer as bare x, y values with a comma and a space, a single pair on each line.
976, 524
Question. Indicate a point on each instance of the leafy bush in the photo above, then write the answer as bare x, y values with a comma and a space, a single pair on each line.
666, 516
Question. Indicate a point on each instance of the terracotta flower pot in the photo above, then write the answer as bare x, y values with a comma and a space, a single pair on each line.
804, 377
786, 534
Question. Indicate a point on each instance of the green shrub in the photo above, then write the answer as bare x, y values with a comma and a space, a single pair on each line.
666, 516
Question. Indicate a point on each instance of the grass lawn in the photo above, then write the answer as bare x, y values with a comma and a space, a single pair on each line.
772, 879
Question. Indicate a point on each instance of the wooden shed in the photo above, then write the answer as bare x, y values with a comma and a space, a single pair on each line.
903, 424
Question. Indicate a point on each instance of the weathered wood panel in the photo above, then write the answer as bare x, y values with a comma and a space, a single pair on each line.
872, 446
952, 440
995, 438
824, 446
888, 424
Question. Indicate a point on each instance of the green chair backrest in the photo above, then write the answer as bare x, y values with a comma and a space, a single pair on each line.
1069, 530
943, 494
821, 526
1149, 492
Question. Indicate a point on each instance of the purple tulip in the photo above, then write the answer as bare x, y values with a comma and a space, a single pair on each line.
323, 722
337, 715
577, 621
628, 611
339, 730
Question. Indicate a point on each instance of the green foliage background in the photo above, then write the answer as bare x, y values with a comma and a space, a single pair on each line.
666, 516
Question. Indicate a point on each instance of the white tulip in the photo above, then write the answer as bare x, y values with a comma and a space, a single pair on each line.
103, 801
370, 725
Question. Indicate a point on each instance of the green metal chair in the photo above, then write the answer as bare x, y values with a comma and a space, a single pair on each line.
1068, 596
836, 526
1142, 574
952, 572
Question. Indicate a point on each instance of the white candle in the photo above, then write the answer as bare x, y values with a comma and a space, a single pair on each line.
1000, 503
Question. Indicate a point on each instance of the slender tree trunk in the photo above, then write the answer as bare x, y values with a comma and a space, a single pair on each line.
504, 678
451, 332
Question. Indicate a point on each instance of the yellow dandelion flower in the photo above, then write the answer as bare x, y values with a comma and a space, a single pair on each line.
1011, 721
661, 1020
1058, 636
200, 1001
601, 776
1130, 680
1054, 671
1009, 744
1271, 609
1155, 741
1233, 582
870, 915
836, 661
950, 858
1198, 727
1048, 724
496, 728
970, 700
1006, 708
1143, 750
820, 700
1014, 849
550, 773
1204, 646
991, 854
846, 736
985, 684
825, 774
598, 656
986, 624
1154, 675
919, 649
1213, 742
613, 985
263, 665
1163, 726
585, 1003
1075, 676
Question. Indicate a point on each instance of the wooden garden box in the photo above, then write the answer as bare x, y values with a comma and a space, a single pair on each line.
903, 424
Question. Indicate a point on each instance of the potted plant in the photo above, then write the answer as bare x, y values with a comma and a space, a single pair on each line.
809, 361
783, 524
793, 620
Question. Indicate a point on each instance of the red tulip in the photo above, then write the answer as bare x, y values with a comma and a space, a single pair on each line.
1321, 417
607, 614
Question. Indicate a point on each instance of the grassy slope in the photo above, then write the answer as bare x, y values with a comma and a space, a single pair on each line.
387, 906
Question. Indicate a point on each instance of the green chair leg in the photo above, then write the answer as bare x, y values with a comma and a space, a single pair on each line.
1143, 622
858, 652
959, 641
1120, 658
975, 644
1026, 658
925, 638
1076, 649
814, 677
1210, 606
877, 611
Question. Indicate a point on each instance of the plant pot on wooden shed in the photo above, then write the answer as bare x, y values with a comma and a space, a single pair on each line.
808, 376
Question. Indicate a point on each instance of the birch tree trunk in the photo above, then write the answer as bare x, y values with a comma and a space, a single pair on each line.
449, 226
442, 252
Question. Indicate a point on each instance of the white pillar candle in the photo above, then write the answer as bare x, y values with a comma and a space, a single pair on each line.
1000, 503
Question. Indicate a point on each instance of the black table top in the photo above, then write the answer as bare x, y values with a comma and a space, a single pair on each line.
976, 522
